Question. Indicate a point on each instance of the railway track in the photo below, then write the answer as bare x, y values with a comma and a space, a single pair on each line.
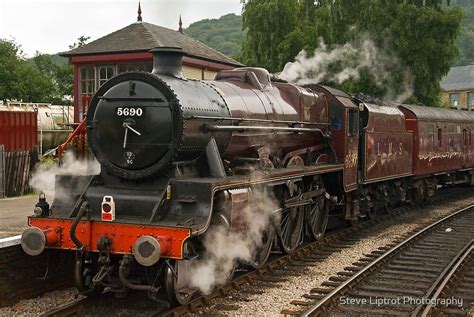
303, 256
430, 272
69, 309
274, 271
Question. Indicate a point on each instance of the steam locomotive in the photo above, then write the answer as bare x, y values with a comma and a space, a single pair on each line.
179, 156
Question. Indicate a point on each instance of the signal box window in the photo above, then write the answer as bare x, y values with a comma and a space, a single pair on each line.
105, 73
87, 80
87, 88
135, 67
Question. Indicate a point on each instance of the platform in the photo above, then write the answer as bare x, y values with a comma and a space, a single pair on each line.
14, 213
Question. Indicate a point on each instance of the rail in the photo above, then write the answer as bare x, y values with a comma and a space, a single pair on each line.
78, 134
444, 279
342, 288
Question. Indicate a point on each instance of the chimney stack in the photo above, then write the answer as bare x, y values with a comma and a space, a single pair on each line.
168, 61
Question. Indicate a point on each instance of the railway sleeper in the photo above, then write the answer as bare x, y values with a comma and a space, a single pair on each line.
417, 285
420, 257
418, 263
338, 279
404, 277
352, 268
361, 263
451, 312
367, 311
301, 303
388, 288
291, 312
346, 273
331, 284
402, 273
319, 290
422, 269
372, 294
415, 255
313, 296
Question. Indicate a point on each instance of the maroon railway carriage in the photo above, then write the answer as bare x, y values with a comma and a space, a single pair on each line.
442, 143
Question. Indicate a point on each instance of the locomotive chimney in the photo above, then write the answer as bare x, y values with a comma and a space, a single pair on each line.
167, 61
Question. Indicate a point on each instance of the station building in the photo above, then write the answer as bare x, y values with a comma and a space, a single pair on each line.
458, 87
128, 49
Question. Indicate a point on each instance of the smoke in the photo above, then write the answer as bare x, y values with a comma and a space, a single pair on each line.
224, 249
344, 62
43, 178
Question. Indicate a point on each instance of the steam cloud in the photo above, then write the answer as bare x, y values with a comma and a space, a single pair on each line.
350, 60
43, 178
223, 249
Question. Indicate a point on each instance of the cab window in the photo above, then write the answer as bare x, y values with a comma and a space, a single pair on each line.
353, 122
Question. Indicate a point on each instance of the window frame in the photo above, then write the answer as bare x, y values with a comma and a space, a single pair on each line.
100, 80
458, 99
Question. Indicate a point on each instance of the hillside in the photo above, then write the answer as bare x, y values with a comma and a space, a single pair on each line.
224, 34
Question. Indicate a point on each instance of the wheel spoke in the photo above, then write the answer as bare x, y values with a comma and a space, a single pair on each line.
318, 215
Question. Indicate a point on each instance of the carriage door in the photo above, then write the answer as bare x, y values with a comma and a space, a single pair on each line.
352, 149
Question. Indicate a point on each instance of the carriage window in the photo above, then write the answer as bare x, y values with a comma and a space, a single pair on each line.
440, 138
353, 122
451, 137
464, 137
431, 137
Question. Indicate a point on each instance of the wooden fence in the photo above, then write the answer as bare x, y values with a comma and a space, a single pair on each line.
16, 173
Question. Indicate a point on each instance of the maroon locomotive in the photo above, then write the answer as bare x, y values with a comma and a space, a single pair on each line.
180, 157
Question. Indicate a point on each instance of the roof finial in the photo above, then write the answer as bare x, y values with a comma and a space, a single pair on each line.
139, 18
180, 29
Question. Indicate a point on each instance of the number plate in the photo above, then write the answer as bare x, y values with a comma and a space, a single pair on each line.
130, 111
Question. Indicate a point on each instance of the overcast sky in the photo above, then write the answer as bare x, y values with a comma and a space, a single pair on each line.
50, 26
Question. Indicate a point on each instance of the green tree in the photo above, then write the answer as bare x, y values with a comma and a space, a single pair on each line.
268, 24
423, 36
466, 39
81, 41
420, 33
59, 72
20, 79
43, 78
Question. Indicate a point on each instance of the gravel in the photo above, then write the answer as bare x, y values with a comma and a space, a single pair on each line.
278, 296
269, 299
40, 305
